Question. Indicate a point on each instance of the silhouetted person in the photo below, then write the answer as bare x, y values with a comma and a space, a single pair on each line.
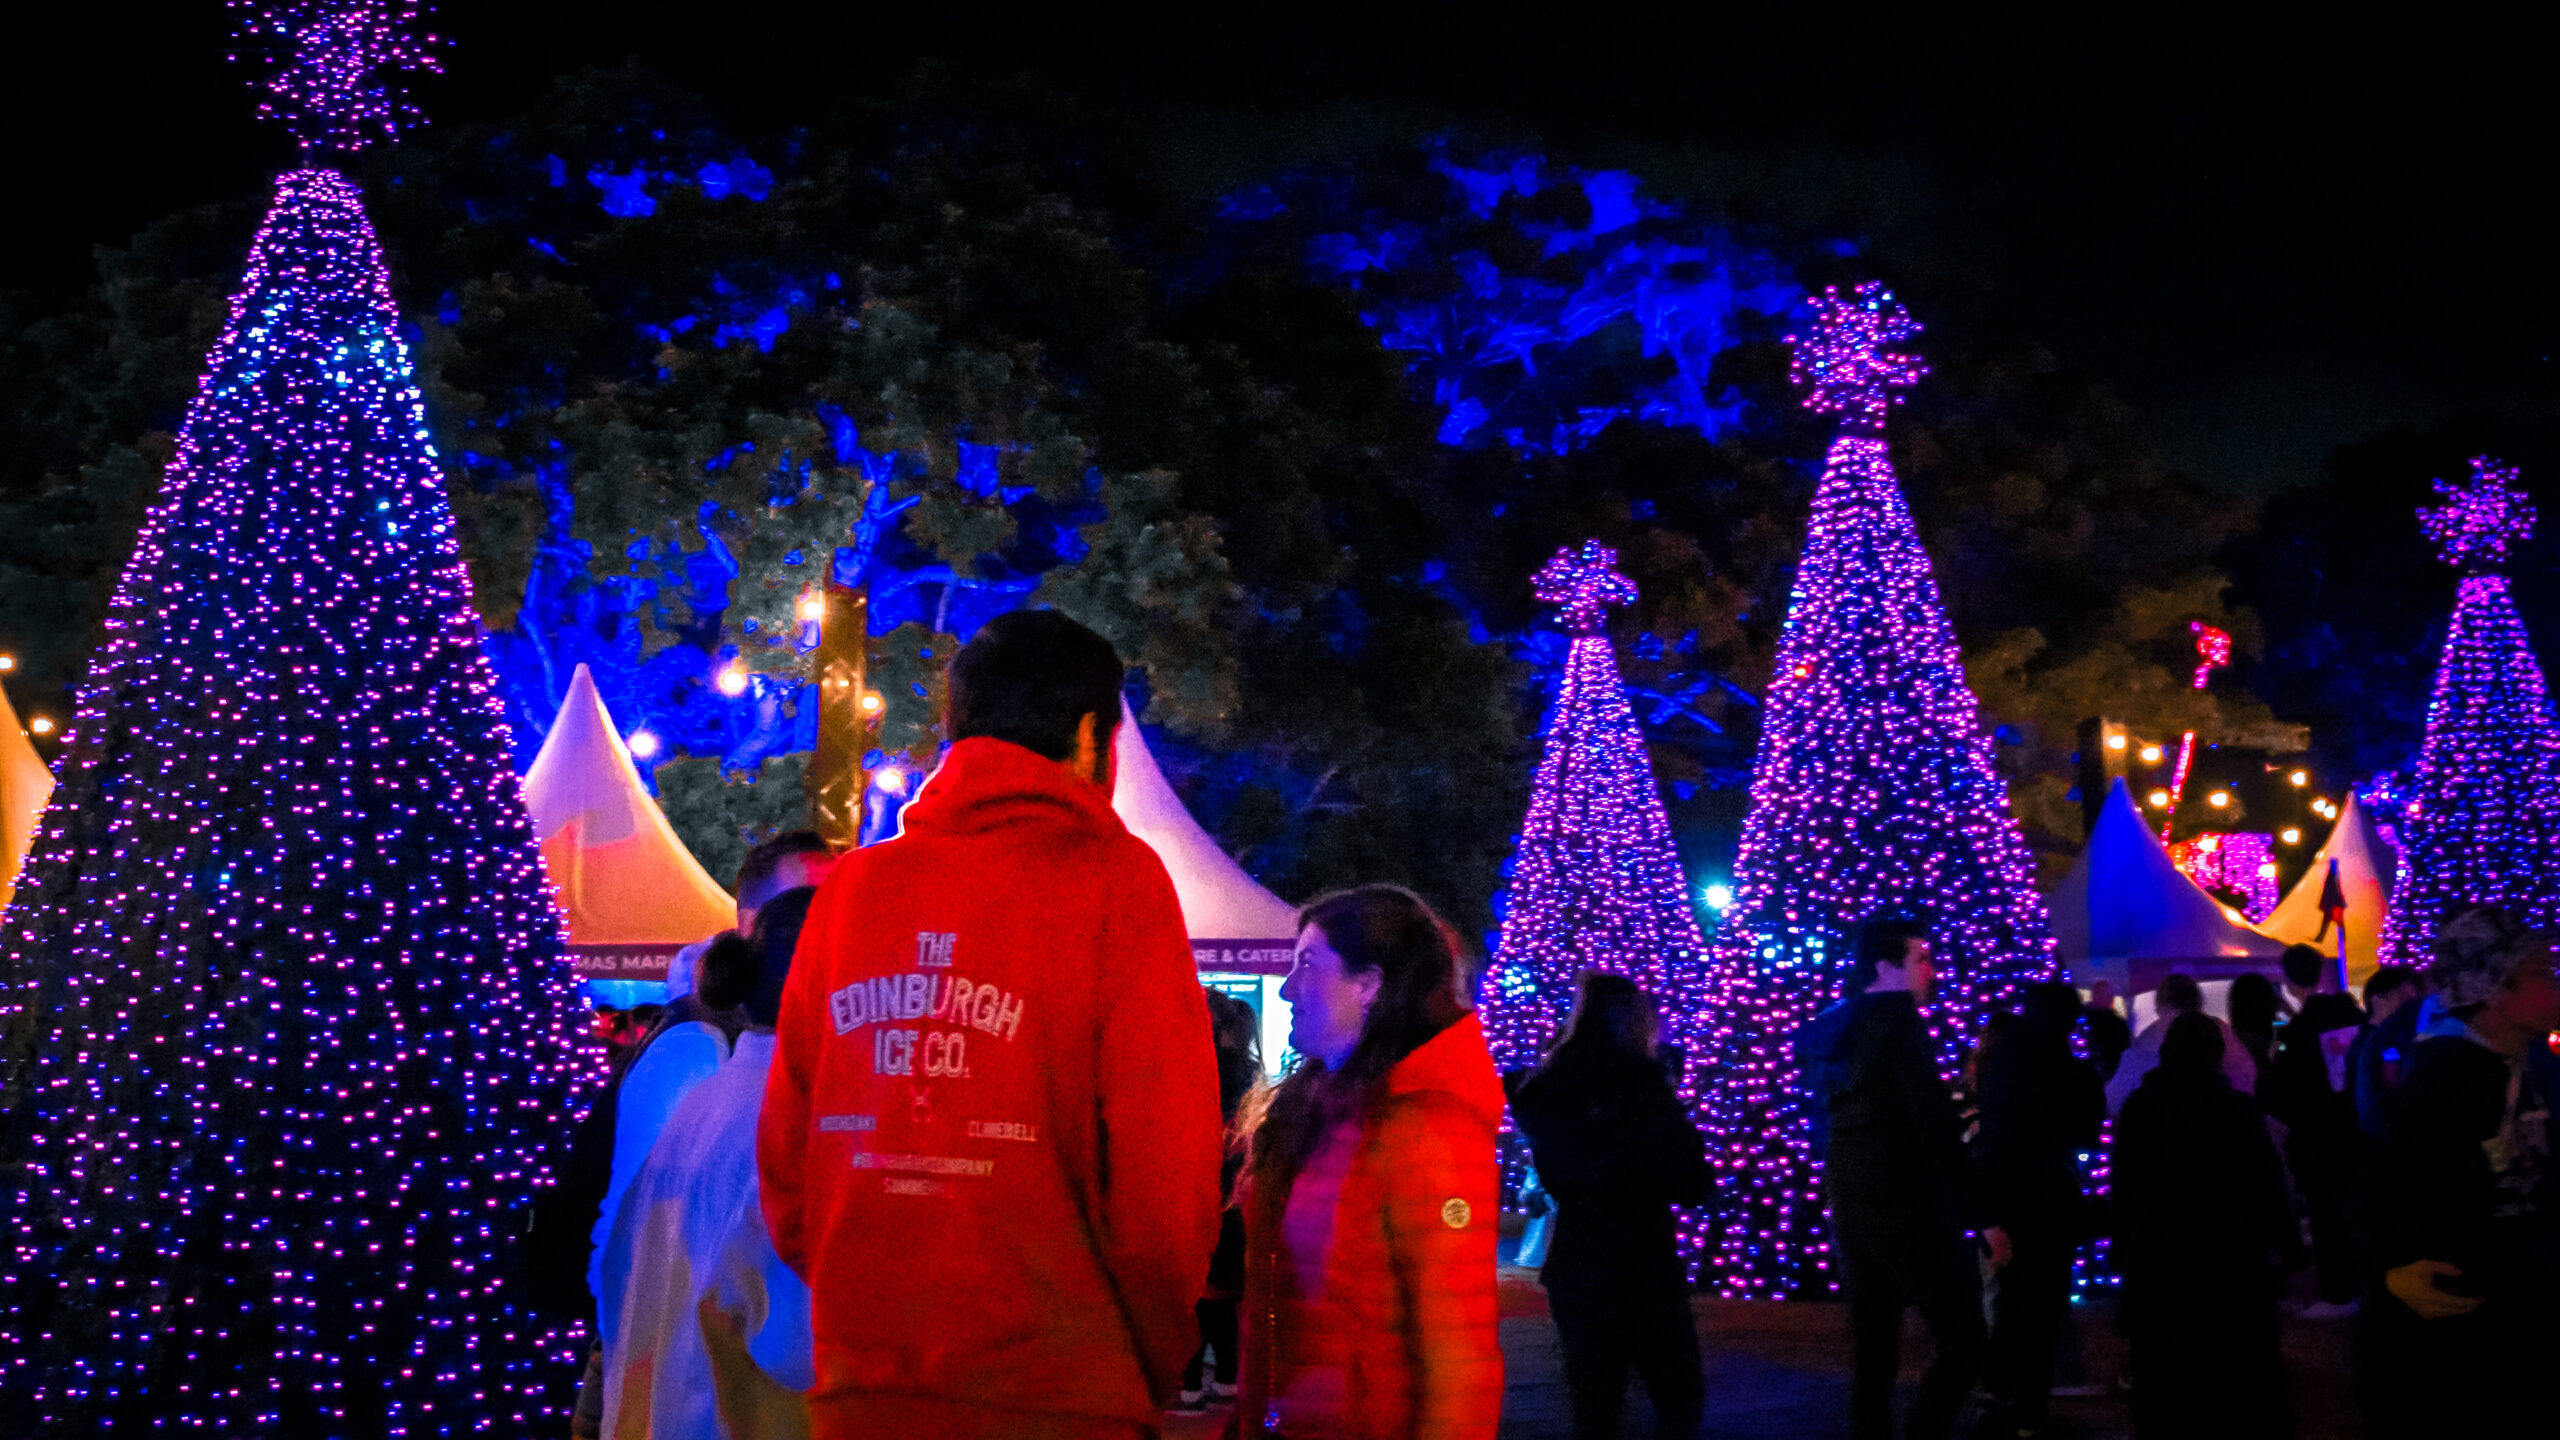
2459, 1330
2042, 1105
2204, 1234
2309, 1092
2109, 1034
2394, 1001
1234, 1030
2179, 994
1901, 1192
2255, 1010
1615, 1148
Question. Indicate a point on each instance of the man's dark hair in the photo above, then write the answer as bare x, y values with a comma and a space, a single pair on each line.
2388, 980
2180, 992
1028, 678
755, 875
2302, 966
747, 972
1885, 940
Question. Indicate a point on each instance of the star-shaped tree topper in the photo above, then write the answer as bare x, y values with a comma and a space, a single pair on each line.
2480, 518
1843, 363
1584, 584
334, 67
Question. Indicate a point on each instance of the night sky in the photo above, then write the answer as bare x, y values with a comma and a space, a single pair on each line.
2272, 241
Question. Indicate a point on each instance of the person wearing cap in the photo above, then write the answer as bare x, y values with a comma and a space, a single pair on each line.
2463, 1289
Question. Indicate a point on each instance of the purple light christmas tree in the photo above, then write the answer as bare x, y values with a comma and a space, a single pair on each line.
2484, 826
1595, 883
1873, 792
283, 1025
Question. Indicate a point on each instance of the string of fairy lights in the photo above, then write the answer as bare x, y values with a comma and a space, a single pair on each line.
1874, 791
1596, 883
2483, 822
286, 1031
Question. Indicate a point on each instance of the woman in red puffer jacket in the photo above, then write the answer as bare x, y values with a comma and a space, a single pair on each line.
1372, 1193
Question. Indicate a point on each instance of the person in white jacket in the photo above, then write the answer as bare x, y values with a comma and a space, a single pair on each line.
705, 1330
2178, 995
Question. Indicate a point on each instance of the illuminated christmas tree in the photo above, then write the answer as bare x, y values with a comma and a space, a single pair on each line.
283, 1024
1595, 884
1873, 792
2484, 826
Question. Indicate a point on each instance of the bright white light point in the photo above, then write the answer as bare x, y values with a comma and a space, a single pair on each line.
2150, 754
2290, 836
733, 680
1719, 896
813, 608
2218, 799
2115, 742
870, 703
643, 744
2300, 777
2159, 799
8, 663
892, 781
40, 725
2267, 871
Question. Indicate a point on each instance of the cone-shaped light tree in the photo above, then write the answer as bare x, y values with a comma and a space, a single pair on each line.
283, 1023
2484, 827
1874, 792
1595, 883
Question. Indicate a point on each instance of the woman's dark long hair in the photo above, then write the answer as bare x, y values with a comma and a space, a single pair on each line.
1611, 1016
1389, 930
2253, 1013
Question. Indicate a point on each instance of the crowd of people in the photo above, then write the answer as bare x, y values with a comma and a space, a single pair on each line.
946, 1139
2397, 1148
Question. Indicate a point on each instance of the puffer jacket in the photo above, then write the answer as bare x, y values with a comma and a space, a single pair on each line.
1369, 1310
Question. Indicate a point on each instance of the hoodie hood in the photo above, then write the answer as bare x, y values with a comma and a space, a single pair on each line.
1455, 1061
985, 785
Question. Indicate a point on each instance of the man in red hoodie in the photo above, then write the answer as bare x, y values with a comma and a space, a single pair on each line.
990, 1139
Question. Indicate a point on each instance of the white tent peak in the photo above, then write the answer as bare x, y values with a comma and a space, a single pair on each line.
26, 783
2364, 874
2127, 914
622, 875
1219, 900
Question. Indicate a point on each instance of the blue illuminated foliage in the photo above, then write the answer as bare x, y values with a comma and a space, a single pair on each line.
287, 1029
1577, 301
1581, 301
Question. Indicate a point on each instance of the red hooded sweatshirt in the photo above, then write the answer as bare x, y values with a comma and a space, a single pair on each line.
990, 1140
1369, 1305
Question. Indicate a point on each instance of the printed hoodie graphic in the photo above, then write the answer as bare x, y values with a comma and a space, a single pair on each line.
991, 1137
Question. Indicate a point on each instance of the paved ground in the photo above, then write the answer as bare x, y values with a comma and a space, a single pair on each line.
1781, 1370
